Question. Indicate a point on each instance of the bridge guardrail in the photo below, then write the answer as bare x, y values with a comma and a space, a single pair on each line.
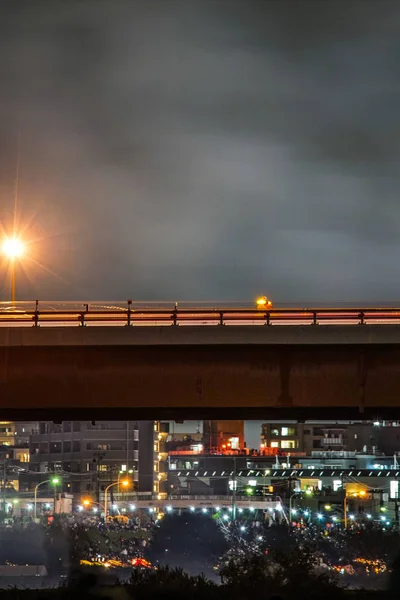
73, 314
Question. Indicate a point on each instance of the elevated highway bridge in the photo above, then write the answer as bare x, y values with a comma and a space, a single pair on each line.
98, 361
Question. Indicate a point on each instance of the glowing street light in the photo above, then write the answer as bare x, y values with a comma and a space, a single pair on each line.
88, 502
125, 483
13, 249
54, 481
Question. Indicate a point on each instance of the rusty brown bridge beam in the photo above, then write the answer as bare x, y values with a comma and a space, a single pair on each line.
150, 372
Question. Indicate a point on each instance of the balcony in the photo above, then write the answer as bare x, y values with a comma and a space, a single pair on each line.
336, 441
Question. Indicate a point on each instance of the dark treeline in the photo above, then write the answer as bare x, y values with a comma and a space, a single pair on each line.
294, 582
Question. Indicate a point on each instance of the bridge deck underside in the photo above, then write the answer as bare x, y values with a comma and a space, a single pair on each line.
207, 381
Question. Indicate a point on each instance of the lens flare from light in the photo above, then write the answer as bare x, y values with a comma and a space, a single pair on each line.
13, 248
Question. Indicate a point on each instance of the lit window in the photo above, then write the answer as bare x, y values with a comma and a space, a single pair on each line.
288, 444
287, 431
274, 444
337, 483
394, 489
234, 443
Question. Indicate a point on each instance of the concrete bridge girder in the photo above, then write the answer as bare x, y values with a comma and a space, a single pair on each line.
176, 374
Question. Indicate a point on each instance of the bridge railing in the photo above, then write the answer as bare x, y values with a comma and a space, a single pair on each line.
76, 314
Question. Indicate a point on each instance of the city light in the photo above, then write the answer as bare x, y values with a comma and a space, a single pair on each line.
86, 502
308, 492
319, 516
334, 519
368, 516
217, 508
80, 508
132, 507
327, 507
293, 511
204, 510
192, 508
47, 505
168, 508
351, 517
30, 507
240, 510
251, 508
125, 483
242, 528
95, 509
225, 517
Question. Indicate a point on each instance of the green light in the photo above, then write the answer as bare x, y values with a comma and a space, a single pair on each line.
383, 509
327, 507
249, 490
55, 480
309, 492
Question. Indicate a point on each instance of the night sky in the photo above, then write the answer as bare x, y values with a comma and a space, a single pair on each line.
203, 149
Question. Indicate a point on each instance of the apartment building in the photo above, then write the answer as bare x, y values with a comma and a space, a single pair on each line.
92, 454
309, 437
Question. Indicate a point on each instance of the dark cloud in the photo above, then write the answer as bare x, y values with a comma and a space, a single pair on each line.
205, 149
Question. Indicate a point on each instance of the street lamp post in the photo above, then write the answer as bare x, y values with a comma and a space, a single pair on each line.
54, 481
290, 508
125, 483
88, 503
13, 249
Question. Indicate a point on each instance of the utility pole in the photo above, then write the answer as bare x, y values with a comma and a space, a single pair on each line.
4, 484
234, 491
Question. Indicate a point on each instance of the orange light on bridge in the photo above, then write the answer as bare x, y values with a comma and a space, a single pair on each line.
263, 303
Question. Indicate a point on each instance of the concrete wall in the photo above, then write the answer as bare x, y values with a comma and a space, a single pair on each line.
200, 372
